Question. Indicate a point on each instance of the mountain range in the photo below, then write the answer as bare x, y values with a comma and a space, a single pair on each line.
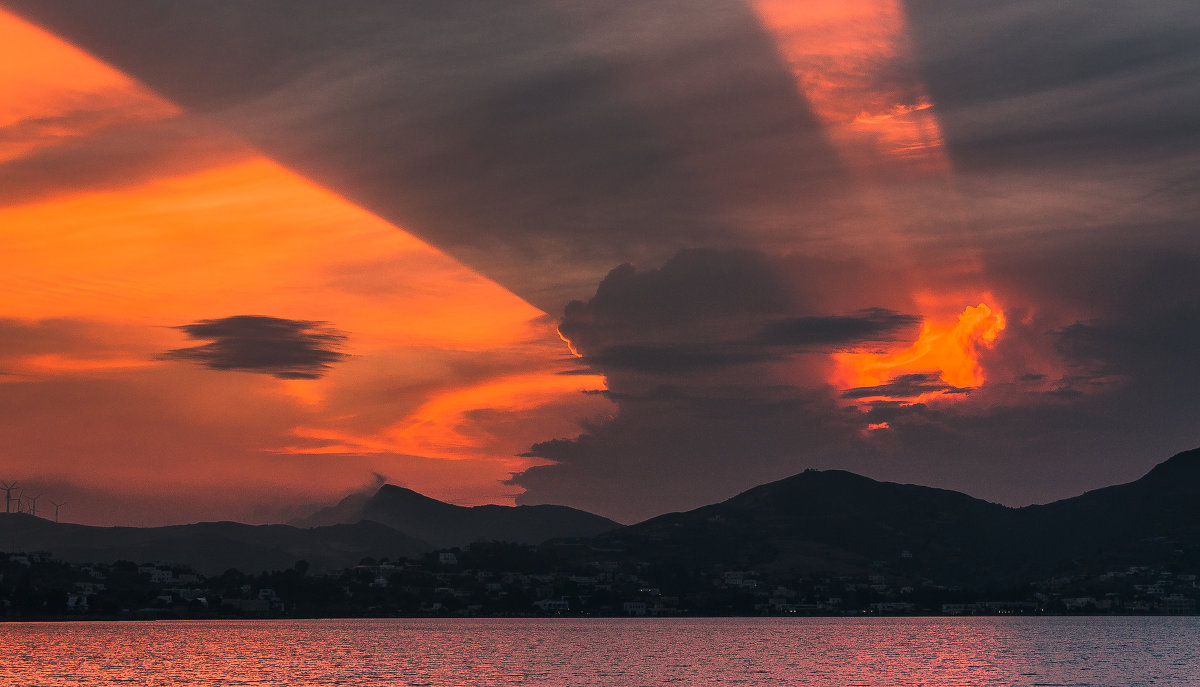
839, 523
393, 522
817, 522
209, 548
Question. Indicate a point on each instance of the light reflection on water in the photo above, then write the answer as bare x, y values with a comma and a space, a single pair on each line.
613, 652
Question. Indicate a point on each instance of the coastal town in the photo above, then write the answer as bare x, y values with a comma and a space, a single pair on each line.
510, 580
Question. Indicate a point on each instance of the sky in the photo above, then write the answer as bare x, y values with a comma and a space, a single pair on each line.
635, 258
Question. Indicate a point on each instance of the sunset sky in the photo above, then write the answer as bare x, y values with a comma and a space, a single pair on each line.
632, 258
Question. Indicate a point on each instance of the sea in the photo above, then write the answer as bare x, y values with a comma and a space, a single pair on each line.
841, 652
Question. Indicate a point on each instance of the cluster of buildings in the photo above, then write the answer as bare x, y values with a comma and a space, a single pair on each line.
512, 580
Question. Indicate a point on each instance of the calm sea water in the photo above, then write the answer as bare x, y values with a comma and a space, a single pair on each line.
619, 653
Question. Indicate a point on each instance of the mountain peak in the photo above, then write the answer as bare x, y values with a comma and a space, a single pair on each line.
397, 494
1184, 465
445, 524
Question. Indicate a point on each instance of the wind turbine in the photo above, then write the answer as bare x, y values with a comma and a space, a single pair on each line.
32, 503
8, 490
56, 507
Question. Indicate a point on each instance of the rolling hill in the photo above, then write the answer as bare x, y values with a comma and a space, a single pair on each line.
208, 547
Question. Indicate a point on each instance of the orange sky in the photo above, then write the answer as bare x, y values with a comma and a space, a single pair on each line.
102, 276
449, 376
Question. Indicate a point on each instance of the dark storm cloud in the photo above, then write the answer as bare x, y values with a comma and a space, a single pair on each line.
1061, 83
673, 449
872, 325
1070, 404
1154, 344
672, 359
1122, 396
287, 349
906, 386
1065, 117
693, 352
708, 310
693, 294
541, 142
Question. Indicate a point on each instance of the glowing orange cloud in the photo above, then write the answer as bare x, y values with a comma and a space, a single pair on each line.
853, 62
951, 349
443, 427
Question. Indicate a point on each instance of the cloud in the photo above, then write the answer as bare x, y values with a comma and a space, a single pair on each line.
118, 144
113, 159
741, 294
906, 386
38, 350
25, 337
1059, 82
716, 363
697, 295
674, 448
708, 309
1069, 404
287, 349
672, 359
870, 325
